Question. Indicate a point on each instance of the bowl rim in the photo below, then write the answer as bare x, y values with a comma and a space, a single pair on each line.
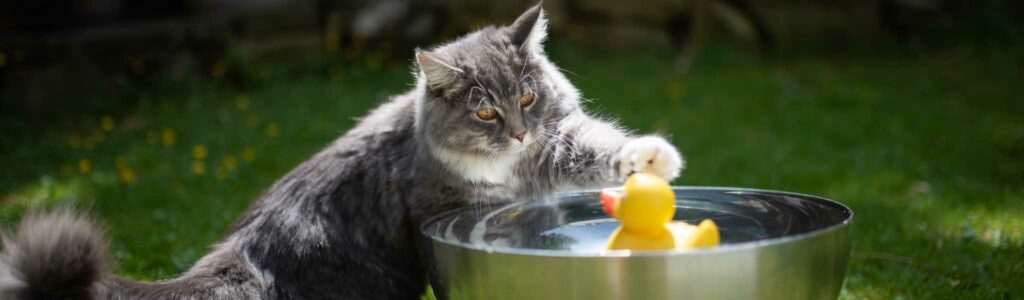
652, 253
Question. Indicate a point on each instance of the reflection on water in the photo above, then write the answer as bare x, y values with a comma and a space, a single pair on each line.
575, 222
592, 235
588, 236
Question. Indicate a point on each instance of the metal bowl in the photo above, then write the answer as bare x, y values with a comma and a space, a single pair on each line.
775, 245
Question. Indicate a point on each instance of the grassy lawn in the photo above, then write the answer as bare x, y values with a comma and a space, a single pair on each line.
928, 149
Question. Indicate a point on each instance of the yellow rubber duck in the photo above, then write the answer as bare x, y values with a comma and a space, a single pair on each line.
645, 207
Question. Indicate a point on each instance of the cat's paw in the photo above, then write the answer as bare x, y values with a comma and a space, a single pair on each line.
650, 154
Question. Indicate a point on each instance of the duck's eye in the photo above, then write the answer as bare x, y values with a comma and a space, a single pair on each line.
487, 114
526, 99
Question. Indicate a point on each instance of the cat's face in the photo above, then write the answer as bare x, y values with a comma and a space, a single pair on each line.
494, 109
487, 93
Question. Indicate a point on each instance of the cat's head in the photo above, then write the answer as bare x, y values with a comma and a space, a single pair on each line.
492, 92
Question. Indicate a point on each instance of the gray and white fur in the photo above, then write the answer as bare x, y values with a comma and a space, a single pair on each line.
343, 224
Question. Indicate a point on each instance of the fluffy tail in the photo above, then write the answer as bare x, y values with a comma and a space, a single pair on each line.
54, 255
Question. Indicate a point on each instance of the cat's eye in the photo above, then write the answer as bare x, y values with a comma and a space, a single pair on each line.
526, 99
487, 114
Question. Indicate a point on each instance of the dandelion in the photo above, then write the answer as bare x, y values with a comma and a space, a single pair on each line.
242, 102
660, 125
230, 162
75, 141
273, 129
127, 175
198, 167
107, 123
221, 174
88, 143
218, 69
332, 43
676, 91
248, 155
67, 170
98, 135
168, 137
166, 106
120, 162
335, 72
373, 62
84, 165
199, 152
252, 121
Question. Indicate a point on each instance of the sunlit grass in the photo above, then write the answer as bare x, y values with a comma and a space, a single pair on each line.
928, 150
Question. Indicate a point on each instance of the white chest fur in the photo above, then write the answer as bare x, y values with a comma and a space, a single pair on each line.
492, 170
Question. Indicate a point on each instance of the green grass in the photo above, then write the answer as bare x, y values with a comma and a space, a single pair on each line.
927, 148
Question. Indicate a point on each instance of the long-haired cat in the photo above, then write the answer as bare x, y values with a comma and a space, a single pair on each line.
490, 118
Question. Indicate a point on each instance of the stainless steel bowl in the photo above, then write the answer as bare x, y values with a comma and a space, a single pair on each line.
776, 245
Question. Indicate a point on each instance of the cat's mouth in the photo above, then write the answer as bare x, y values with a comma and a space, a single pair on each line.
516, 146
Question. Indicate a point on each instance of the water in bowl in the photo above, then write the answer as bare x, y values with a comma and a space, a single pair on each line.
592, 235
575, 222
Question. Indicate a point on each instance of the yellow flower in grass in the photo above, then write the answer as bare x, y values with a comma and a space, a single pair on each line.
230, 162
218, 69
660, 125
273, 129
242, 102
676, 91
98, 135
67, 170
374, 62
75, 141
248, 155
120, 162
199, 152
168, 137
332, 42
127, 175
84, 165
88, 143
198, 167
107, 123
221, 174
336, 72
166, 106
252, 122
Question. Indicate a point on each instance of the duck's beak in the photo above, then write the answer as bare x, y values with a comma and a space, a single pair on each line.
610, 199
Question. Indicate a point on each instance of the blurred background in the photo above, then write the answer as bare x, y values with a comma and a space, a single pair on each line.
164, 118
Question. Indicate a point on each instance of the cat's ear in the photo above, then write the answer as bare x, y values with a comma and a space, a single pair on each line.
530, 29
437, 73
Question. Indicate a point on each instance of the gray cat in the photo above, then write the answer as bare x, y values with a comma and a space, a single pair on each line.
490, 119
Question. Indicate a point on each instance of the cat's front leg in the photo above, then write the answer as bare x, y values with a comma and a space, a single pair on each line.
649, 154
592, 153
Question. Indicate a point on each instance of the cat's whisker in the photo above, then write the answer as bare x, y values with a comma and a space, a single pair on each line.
567, 71
534, 80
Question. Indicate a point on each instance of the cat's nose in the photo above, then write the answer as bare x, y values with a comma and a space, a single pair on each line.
519, 136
